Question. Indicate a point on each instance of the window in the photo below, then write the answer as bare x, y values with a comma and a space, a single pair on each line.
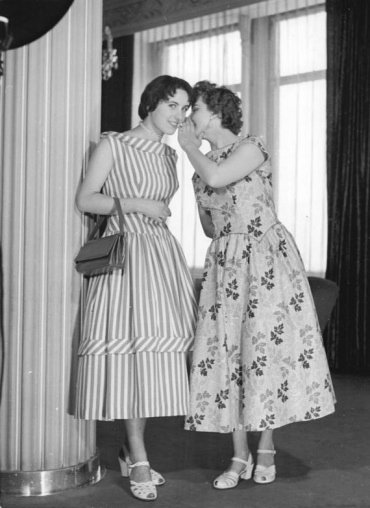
300, 188
223, 48
276, 61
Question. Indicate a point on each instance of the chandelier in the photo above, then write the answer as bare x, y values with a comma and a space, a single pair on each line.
109, 55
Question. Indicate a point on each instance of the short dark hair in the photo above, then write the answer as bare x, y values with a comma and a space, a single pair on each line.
221, 101
161, 89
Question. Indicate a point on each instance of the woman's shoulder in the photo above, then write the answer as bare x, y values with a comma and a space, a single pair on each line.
110, 134
256, 141
116, 136
111, 137
225, 152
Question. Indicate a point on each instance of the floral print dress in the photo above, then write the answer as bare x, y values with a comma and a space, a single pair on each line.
259, 361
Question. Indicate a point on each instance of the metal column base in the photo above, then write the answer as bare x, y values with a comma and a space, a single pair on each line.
43, 483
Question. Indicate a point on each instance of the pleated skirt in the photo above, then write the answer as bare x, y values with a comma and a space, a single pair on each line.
139, 385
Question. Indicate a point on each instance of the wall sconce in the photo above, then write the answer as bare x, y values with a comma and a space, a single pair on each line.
109, 55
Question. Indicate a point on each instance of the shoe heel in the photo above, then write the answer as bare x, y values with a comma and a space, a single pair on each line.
124, 467
247, 475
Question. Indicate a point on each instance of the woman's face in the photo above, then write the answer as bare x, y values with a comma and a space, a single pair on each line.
170, 113
201, 117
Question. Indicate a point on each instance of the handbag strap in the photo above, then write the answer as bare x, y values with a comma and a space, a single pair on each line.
120, 213
101, 219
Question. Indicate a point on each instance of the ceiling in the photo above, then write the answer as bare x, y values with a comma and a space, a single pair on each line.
126, 17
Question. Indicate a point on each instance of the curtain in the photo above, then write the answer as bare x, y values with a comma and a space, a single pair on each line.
249, 49
348, 339
298, 130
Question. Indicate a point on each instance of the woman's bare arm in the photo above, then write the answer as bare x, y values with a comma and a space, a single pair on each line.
246, 158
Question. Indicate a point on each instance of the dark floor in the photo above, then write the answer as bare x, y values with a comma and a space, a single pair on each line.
321, 464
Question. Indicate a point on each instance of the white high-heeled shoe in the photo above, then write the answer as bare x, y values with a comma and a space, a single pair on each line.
145, 491
125, 462
265, 474
230, 479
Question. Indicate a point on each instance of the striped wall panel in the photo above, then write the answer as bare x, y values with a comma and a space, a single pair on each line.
50, 119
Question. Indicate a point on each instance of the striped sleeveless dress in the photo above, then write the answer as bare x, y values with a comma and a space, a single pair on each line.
139, 323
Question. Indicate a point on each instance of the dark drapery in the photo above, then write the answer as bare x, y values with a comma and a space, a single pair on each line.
117, 90
348, 102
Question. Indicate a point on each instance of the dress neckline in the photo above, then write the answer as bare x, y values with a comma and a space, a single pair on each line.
140, 139
229, 145
143, 144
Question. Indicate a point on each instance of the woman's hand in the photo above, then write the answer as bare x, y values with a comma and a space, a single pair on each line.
186, 135
154, 209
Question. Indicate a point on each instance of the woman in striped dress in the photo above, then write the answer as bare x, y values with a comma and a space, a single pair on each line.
139, 322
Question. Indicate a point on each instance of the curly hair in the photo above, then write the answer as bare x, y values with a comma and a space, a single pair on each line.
161, 89
222, 102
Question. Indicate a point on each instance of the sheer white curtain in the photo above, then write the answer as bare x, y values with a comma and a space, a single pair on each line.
288, 107
273, 54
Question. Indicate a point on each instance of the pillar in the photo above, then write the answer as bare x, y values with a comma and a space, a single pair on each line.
49, 120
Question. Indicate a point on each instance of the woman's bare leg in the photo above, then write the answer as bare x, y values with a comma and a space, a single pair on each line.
241, 450
266, 443
135, 429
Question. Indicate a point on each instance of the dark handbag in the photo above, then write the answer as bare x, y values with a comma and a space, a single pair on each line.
105, 254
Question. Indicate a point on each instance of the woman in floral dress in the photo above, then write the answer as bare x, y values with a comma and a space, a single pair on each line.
259, 361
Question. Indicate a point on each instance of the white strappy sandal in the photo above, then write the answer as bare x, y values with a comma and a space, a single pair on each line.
145, 491
265, 474
230, 479
125, 462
